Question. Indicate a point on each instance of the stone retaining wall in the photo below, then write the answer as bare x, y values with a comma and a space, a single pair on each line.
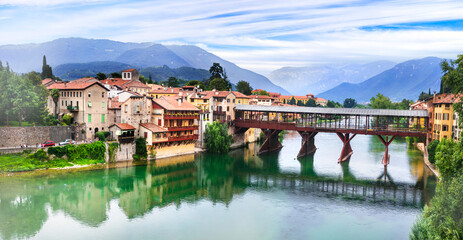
31, 136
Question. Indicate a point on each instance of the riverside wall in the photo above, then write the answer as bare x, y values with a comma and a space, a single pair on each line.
12, 137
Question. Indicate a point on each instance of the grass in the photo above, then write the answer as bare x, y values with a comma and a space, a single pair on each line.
16, 124
20, 162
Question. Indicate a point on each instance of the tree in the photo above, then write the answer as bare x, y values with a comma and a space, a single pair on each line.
219, 84
217, 138
453, 78
403, 105
310, 103
116, 75
424, 96
300, 103
380, 102
349, 103
100, 76
216, 71
46, 69
244, 87
67, 118
292, 101
196, 83
331, 104
54, 93
140, 149
173, 82
261, 93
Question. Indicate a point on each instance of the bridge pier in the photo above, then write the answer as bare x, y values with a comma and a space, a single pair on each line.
346, 151
308, 143
386, 143
271, 142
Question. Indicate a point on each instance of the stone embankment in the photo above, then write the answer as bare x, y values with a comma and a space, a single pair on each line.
431, 166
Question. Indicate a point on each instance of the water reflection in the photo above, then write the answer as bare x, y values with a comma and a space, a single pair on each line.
26, 203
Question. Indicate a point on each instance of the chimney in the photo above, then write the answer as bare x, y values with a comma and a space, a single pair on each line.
434, 97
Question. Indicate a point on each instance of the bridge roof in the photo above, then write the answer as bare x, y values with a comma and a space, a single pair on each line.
339, 111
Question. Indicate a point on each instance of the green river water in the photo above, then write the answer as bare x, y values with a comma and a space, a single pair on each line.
235, 196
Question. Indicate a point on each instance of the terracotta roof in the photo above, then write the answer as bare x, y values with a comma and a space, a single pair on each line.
154, 86
446, 98
74, 85
240, 95
115, 104
86, 79
171, 103
115, 82
166, 90
153, 127
134, 83
129, 70
46, 80
320, 99
217, 93
124, 126
261, 97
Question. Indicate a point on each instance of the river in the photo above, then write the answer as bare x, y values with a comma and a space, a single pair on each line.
235, 196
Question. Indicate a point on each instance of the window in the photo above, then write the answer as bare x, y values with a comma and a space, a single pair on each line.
89, 103
445, 128
192, 100
62, 103
77, 103
228, 100
228, 108
102, 104
126, 108
71, 103
233, 100
80, 94
73, 94
90, 118
446, 116
102, 118
66, 102
239, 101
89, 94
102, 94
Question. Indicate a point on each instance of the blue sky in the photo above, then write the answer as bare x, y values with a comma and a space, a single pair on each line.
259, 35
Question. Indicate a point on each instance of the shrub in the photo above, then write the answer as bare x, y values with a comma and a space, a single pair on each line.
57, 151
140, 149
112, 148
40, 155
67, 119
217, 138
432, 151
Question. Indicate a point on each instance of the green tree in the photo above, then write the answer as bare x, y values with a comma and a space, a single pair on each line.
331, 104
67, 118
261, 93
219, 84
310, 103
141, 152
244, 87
196, 83
216, 71
116, 75
216, 138
403, 105
100, 76
349, 103
424, 96
173, 82
46, 69
54, 94
453, 79
292, 101
300, 103
380, 102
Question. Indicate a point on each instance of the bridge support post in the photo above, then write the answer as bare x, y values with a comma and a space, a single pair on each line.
271, 142
308, 143
386, 143
346, 151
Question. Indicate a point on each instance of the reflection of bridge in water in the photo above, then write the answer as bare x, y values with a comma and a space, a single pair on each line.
387, 124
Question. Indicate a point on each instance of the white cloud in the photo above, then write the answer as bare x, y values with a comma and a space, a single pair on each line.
258, 36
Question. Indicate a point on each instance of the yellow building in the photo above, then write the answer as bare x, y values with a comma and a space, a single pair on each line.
443, 116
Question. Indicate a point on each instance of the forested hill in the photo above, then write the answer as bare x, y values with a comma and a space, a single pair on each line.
72, 71
404, 80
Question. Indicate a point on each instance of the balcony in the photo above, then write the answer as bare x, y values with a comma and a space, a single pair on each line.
128, 139
73, 108
181, 116
219, 113
182, 128
183, 138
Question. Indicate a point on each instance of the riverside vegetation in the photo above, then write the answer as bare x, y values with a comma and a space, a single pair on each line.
57, 157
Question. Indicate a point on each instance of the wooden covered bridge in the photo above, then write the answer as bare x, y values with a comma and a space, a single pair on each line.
387, 124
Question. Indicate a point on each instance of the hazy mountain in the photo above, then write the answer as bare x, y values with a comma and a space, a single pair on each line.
28, 57
155, 55
71, 71
404, 80
316, 79
199, 58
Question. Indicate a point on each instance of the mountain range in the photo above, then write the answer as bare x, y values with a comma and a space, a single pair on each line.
320, 78
404, 80
28, 57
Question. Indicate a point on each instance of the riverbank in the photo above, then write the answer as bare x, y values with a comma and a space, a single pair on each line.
431, 166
